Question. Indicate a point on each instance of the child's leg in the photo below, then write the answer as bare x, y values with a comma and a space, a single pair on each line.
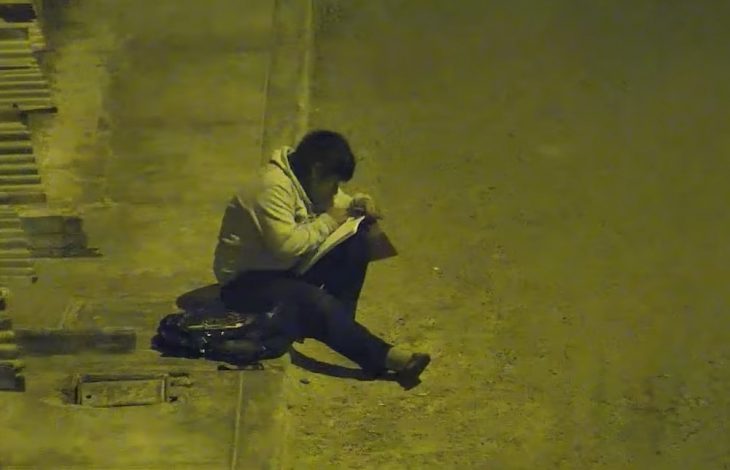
324, 318
343, 270
311, 313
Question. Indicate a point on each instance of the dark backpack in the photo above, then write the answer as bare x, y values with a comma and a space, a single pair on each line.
237, 338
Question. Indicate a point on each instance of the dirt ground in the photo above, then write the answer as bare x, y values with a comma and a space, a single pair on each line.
554, 175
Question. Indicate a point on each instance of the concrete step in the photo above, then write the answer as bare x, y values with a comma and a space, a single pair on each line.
9, 351
16, 44
18, 169
14, 134
23, 196
15, 25
9, 222
20, 188
7, 233
15, 364
18, 81
31, 69
14, 125
18, 281
23, 84
25, 103
15, 263
9, 180
21, 74
17, 272
7, 336
13, 43
7, 46
16, 53
16, 63
14, 253
16, 147
14, 243
17, 158
9, 94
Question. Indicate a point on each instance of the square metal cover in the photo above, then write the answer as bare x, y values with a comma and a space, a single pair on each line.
121, 390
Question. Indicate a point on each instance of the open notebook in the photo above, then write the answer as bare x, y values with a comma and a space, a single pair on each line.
379, 244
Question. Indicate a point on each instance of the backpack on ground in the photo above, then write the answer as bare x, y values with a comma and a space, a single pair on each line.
237, 338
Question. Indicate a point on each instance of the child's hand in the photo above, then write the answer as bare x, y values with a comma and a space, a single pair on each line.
340, 215
363, 204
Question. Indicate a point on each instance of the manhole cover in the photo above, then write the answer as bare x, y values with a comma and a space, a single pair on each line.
109, 390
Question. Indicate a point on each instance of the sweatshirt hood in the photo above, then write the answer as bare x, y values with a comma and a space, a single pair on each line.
280, 159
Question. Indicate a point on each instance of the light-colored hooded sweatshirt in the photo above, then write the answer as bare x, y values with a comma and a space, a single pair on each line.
270, 223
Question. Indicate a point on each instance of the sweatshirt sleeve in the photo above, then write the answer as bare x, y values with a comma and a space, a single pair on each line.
275, 208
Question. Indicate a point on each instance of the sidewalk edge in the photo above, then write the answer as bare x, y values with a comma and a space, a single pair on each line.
286, 114
286, 119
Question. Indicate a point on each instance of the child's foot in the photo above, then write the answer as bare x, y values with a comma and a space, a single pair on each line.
408, 376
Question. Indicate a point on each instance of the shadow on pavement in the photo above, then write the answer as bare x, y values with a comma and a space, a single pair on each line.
323, 368
207, 299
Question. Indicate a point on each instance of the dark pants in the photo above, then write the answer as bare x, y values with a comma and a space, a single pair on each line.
308, 311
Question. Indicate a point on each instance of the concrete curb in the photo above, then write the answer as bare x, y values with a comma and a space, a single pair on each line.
285, 120
305, 90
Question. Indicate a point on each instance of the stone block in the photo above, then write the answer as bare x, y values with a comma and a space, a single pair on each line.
66, 252
57, 240
32, 194
51, 341
10, 380
51, 224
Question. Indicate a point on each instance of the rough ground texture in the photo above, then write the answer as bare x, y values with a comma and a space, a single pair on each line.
555, 177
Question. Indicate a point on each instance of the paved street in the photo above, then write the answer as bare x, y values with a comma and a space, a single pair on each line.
555, 176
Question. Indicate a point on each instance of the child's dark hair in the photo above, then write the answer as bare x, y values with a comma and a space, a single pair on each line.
328, 148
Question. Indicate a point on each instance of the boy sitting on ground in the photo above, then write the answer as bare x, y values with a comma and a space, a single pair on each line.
279, 217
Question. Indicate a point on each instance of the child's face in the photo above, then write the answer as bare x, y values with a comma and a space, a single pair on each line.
322, 189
